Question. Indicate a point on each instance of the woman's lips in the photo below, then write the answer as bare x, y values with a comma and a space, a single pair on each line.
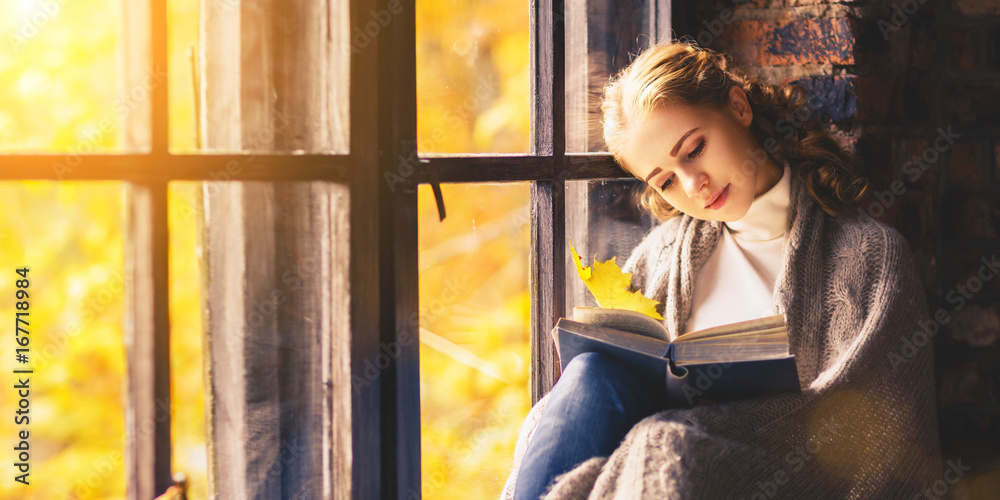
718, 199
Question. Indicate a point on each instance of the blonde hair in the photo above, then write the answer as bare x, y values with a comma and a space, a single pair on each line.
682, 73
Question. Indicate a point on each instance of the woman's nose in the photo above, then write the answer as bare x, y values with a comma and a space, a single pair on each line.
694, 183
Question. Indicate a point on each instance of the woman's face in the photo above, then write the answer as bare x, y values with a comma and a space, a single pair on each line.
703, 161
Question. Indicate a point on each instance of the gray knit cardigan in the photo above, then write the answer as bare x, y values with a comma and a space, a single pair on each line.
864, 425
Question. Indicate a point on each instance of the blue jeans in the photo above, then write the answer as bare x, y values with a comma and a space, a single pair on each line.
592, 406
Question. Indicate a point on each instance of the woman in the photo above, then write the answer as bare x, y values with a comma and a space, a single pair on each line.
759, 217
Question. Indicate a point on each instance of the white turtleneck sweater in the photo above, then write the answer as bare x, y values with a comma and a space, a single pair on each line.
737, 281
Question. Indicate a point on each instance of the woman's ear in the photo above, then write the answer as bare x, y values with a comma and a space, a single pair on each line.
740, 106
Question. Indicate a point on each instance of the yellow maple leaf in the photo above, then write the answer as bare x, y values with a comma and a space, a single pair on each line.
612, 288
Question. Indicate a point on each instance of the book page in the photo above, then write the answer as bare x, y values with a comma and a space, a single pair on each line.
743, 326
720, 352
621, 319
750, 336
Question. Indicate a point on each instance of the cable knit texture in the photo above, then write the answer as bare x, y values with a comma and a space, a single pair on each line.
864, 425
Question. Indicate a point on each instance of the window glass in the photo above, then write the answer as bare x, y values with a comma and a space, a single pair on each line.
69, 238
472, 76
475, 359
182, 27
187, 383
601, 38
264, 80
61, 79
604, 222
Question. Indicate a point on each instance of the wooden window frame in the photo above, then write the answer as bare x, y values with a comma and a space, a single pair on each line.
383, 422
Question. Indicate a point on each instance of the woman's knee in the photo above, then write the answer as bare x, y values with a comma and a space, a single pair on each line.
598, 373
589, 365
602, 379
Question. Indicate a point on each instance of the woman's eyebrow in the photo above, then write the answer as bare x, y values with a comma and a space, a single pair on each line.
673, 152
651, 174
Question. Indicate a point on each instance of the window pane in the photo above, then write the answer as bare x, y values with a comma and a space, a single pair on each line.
69, 236
273, 76
187, 398
603, 222
475, 359
472, 76
601, 38
182, 28
61, 78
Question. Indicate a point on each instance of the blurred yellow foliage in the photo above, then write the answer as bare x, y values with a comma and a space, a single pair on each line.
473, 97
70, 237
473, 293
472, 76
60, 75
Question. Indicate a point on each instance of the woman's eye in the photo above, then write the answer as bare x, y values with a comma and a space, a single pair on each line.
667, 183
697, 151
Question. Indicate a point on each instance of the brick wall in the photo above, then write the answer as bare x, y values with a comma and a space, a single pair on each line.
914, 87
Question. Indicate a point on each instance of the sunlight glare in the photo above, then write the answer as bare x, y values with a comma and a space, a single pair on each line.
28, 7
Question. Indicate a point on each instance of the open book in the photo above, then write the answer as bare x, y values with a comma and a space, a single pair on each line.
735, 361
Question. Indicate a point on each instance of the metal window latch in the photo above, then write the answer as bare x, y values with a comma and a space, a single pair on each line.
410, 163
436, 187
